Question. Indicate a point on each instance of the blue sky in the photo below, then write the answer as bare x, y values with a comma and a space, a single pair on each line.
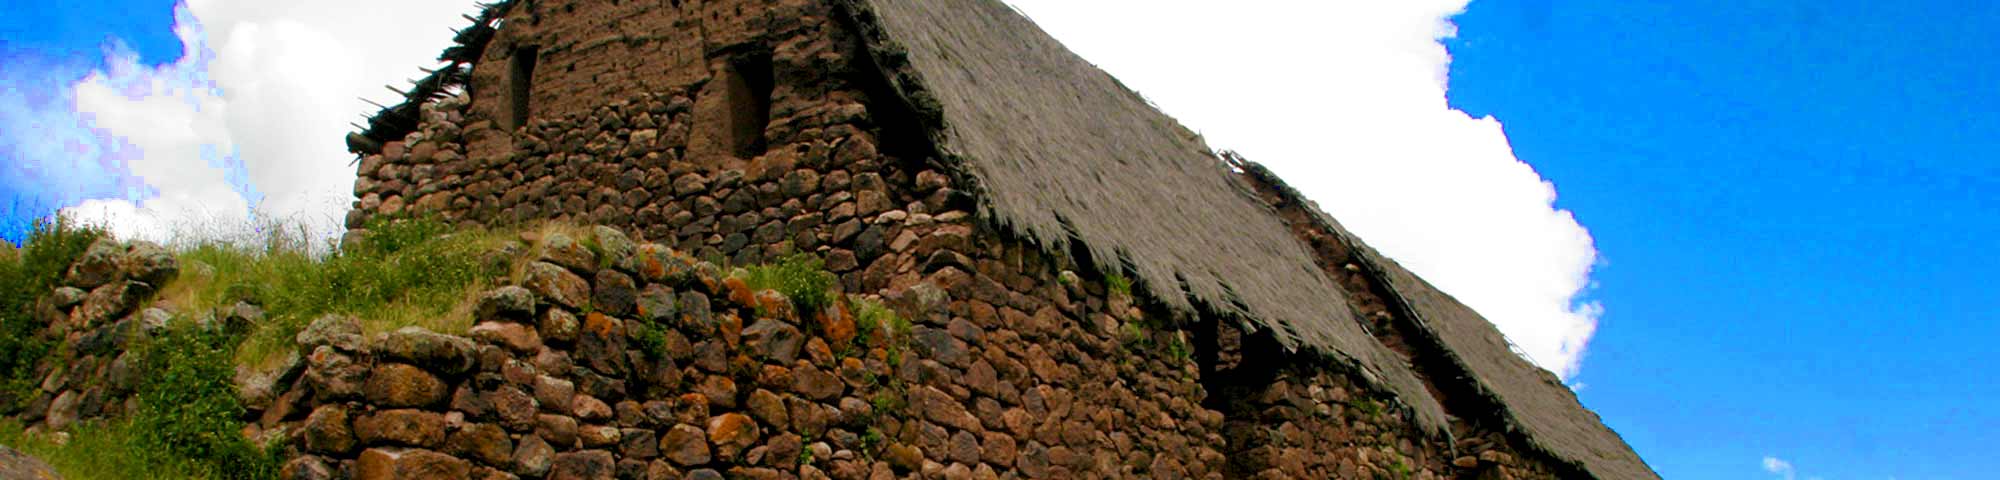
1796, 204
1793, 204
44, 48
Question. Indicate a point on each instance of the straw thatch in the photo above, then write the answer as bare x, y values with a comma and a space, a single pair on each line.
1061, 153
1532, 401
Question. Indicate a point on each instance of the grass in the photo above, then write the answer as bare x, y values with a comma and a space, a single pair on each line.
802, 278
113, 451
407, 272
52, 245
1371, 408
1118, 284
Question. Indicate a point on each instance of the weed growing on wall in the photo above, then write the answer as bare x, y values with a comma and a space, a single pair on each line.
802, 278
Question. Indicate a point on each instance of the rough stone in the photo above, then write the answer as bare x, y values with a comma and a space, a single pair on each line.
63, 411
940, 407
514, 408
686, 445
559, 430
817, 384
507, 303
414, 428
533, 457
328, 430
558, 325
655, 304
557, 284
446, 354
399, 464
481, 442
590, 409
513, 336
584, 465
774, 341
561, 249
601, 344
732, 434
398, 385
614, 292
303, 467
339, 331
598, 436
99, 264
333, 375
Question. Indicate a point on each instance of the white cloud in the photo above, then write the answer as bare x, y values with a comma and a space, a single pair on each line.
1346, 100
1779, 467
1783, 469
252, 118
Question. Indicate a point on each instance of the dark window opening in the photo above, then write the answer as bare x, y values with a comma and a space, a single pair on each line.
521, 76
751, 106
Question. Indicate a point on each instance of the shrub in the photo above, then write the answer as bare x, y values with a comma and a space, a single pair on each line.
802, 278
33, 271
188, 406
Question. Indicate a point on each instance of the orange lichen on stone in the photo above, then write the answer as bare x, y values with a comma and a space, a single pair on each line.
599, 324
836, 323
740, 292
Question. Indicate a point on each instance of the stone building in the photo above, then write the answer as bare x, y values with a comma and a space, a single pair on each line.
1095, 292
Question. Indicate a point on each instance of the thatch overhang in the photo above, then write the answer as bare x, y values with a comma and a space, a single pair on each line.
1533, 403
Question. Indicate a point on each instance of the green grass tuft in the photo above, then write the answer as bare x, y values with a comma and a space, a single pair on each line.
802, 278
1118, 284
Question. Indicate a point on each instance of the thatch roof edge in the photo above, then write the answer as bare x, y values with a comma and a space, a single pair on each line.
1535, 404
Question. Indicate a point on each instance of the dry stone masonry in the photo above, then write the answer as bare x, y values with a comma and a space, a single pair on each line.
987, 319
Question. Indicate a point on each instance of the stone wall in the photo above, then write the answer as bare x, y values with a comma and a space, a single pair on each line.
103, 303
625, 109
1001, 375
1017, 366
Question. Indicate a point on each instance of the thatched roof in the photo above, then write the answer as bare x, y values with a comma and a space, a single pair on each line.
1061, 153
1533, 402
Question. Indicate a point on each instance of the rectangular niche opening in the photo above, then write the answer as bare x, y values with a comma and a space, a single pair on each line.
521, 78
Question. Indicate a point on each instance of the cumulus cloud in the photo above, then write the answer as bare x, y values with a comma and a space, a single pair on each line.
246, 129
1346, 100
